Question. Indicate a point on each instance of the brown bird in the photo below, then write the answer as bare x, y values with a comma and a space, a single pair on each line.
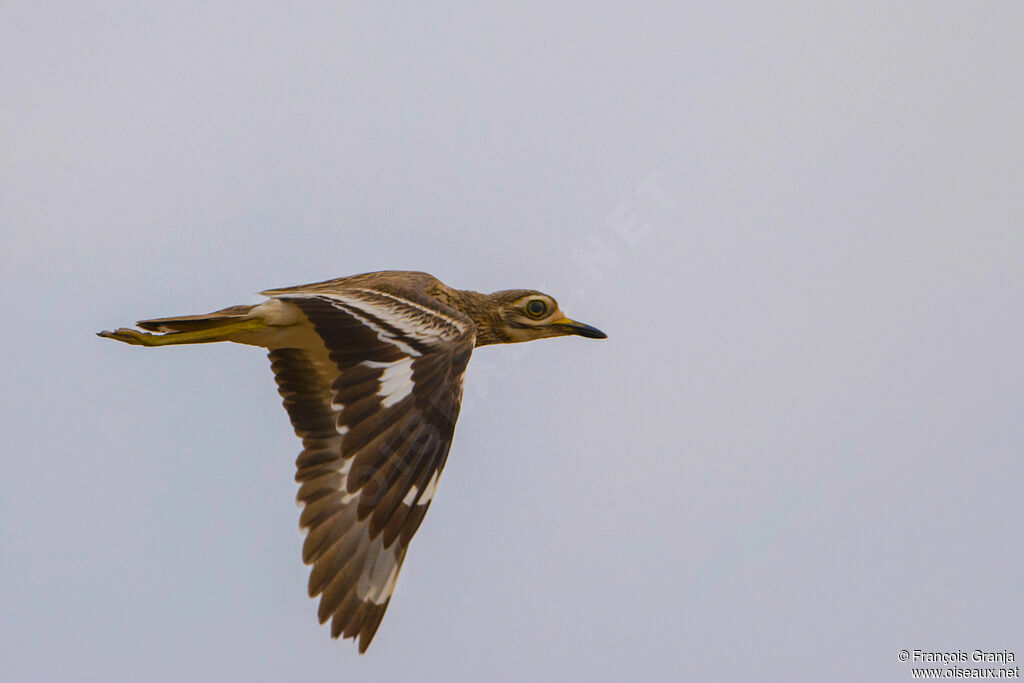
371, 370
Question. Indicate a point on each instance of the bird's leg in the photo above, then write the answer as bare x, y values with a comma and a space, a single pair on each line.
214, 334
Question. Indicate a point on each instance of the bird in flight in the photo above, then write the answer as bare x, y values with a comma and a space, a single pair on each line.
371, 371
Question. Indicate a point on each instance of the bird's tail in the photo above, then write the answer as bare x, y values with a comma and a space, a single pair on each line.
195, 323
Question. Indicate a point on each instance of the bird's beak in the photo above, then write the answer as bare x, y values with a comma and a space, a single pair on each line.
567, 326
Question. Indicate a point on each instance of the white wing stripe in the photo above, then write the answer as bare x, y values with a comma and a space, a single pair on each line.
408, 317
410, 496
432, 312
346, 467
352, 308
396, 382
378, 575
428, 493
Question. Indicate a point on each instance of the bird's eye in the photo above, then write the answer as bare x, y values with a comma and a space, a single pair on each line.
536, 308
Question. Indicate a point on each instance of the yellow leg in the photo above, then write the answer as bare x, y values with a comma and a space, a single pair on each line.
216, 334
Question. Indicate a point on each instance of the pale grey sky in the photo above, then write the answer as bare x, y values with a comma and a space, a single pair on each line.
798, 452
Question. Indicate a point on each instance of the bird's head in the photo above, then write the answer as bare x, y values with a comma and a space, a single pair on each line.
525, 314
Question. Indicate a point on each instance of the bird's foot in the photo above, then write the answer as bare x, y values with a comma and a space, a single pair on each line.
134, 337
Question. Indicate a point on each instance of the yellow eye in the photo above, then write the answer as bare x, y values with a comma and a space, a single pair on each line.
536, 308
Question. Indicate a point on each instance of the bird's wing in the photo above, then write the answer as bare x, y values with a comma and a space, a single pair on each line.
375, 405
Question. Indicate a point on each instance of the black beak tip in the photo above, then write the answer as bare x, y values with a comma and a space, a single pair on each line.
588, 331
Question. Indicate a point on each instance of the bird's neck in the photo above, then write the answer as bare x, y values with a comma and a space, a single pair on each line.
490, 328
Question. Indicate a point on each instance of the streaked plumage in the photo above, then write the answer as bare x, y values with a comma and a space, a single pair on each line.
371, 371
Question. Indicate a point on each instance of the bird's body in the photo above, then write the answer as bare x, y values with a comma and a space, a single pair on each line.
371, 371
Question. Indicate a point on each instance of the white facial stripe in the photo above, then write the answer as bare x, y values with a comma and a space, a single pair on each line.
551, 304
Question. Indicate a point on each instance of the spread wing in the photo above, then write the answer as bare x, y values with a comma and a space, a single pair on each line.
375, 405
